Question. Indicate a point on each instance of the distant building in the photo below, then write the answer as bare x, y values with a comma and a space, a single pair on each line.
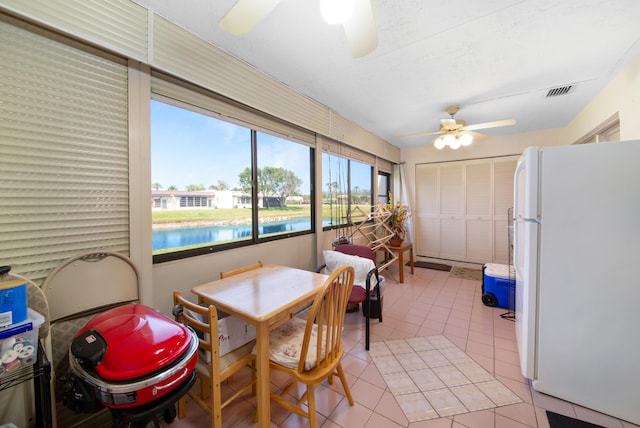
198, 199
184, 199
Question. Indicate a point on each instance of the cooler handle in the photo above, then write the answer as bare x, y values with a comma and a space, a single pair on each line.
170, 384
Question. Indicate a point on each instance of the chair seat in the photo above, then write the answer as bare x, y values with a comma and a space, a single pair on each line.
204, 367
285, 344
359, 293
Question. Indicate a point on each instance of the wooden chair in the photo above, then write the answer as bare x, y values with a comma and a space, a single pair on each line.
366, 294
241, 270
204, 320
311, 351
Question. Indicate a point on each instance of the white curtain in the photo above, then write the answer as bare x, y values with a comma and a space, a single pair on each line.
400, 194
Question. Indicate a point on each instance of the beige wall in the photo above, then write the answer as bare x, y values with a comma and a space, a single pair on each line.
621, 96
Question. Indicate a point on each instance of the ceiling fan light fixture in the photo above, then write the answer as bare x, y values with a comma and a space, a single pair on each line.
453, 140
465, 139
448, 139
336, 11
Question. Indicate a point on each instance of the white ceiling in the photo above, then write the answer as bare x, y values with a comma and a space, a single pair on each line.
497, 59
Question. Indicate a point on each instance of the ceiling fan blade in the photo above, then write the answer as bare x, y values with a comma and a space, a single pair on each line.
486, 125
420, 134
361, 30
477, 136
245, 14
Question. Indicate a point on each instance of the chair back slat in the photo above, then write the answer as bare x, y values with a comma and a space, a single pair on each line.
242, 269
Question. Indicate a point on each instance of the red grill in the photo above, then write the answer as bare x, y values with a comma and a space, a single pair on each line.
133, 355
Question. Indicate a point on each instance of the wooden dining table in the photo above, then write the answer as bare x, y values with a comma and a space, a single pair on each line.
266, 298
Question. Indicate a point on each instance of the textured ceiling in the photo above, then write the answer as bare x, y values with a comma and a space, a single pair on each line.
497, 59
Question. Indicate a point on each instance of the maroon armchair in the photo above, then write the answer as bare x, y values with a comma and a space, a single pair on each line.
367, 294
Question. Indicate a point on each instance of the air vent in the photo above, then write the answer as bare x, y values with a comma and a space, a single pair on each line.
556, 92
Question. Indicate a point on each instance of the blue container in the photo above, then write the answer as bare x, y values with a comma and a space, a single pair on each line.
13, 302
498, 286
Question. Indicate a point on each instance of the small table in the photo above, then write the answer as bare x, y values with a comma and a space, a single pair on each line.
405, 246
264, 297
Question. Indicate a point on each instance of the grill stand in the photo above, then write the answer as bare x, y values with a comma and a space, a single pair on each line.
143, 416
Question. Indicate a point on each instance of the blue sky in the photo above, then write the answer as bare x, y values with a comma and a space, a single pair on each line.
192, 148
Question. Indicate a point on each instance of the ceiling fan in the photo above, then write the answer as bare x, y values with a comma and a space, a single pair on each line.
356, 16
456, 133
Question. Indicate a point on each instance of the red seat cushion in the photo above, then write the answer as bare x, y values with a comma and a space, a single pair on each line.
357, 250
358, 294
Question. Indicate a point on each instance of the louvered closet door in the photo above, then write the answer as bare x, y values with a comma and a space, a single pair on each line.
478, 216
452, 219
462, 210
503, 170
427, 217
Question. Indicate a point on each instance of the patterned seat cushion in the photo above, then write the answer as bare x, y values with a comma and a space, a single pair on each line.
285, 344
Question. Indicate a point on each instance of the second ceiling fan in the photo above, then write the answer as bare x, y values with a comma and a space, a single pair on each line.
456, 133
356, 16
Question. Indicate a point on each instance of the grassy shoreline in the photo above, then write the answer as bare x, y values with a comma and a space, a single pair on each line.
162, 219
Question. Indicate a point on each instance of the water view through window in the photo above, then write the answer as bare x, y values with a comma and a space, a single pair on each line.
201, 235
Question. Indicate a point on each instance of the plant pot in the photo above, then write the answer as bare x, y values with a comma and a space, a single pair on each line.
396, 242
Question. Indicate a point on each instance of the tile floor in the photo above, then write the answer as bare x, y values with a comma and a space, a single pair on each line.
430, 377
429, 304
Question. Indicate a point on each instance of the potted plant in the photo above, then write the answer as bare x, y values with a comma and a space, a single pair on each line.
396, 221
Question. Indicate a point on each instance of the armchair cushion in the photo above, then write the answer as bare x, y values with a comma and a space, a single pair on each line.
361, 266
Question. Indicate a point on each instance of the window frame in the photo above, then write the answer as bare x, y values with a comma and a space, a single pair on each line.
349, 222
384, 199
255, 238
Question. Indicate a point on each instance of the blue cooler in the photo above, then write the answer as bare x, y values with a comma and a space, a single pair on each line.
498, 285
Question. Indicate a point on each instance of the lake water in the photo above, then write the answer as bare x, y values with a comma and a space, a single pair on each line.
182, 237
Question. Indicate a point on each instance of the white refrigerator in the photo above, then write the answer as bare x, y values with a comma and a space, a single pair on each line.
577, 261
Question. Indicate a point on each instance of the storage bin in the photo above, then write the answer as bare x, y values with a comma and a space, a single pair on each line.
376, 304
498, 285
375, 307
232, 334
19, 343
13, 302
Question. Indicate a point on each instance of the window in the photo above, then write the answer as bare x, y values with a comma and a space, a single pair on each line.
284, 186
347, 189
203, 174
384, 187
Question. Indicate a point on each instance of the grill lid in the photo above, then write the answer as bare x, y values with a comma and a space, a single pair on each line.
139, 340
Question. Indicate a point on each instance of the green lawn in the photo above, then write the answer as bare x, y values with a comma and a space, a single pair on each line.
223, 215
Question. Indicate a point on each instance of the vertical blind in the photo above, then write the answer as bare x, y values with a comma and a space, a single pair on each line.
63, 150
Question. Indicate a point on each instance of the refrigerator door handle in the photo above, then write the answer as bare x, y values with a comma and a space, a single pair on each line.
529, 220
